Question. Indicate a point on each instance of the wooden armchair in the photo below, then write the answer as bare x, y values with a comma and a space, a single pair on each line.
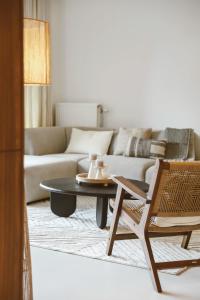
173, 192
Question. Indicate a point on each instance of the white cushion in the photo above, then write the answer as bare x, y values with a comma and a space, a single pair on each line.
176, 221
83, 141
149, 174
129, 167
138, 205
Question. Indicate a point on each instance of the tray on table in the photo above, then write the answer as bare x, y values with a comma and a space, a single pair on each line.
82, 178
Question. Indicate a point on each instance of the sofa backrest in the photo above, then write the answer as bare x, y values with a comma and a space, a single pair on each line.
48, 140
45, 140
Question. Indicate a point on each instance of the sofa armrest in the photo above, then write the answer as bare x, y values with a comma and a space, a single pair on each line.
45, 140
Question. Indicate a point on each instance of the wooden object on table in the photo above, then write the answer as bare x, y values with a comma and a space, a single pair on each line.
11, 150
180, 182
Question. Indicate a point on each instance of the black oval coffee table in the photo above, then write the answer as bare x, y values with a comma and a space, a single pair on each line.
63, 192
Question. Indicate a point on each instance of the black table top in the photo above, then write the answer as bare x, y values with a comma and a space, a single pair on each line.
70, 186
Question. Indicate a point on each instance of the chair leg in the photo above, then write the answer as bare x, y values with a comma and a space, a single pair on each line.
151, 263
186, 240
115, 220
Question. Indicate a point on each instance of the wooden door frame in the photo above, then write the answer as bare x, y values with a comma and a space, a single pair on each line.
11, 150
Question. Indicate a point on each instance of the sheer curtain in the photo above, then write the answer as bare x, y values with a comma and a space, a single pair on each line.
38, 112
37, 106
27, 268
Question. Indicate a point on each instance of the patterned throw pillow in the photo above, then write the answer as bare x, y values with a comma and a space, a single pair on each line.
158, 149
146, 148
126, 133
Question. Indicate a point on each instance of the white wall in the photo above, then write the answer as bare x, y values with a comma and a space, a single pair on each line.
139, 58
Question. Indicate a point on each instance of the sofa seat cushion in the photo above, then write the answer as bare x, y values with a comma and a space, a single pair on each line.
68, 156
32, 160
129, 167
39, 168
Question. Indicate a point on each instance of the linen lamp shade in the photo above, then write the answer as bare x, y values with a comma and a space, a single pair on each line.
36, 52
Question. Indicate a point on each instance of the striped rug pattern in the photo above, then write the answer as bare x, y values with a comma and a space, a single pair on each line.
79, 235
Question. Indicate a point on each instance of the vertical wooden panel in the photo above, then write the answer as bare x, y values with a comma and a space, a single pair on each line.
11, 113
11, 149
11, 217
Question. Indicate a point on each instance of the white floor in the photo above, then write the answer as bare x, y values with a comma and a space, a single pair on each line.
61, 276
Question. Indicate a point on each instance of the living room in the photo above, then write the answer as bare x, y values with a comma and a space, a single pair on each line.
136, 63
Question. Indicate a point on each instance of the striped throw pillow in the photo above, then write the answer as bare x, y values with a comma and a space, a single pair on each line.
147, 148
158, 149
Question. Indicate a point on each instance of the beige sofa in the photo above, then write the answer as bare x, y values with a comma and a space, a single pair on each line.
45, 159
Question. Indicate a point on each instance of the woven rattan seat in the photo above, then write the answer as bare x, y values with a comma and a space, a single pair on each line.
133, 207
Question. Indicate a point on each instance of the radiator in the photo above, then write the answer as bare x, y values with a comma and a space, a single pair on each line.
78, 114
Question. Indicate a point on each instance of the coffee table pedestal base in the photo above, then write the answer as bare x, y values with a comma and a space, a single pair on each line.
101, 211
62, 205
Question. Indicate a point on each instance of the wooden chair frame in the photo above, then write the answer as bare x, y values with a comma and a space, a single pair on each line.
142, 230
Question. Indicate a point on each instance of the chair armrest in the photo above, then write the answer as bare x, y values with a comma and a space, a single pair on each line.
131, 188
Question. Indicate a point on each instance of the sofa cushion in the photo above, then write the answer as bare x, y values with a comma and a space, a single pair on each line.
146, 148
39, 168
178, 143
47, 140
175, 221
194, 143
113, 140
129, 167
124, 135
149, 174
68, 156
83, 141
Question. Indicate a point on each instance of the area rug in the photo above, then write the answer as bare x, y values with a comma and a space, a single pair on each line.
79, 235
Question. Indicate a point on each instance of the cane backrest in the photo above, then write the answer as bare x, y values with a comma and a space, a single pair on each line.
177, 190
